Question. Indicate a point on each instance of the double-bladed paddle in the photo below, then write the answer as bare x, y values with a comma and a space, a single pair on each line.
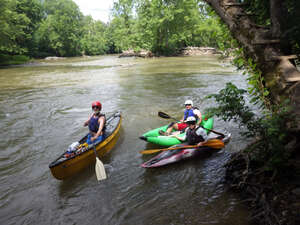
213, 143
99, 167
166, 116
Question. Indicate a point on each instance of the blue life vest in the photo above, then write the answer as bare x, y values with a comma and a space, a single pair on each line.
93, 123
188, 113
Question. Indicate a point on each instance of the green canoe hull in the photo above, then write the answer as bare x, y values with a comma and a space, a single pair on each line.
154, 137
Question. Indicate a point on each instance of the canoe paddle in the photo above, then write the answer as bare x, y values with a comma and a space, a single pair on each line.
213, 143
99, 167
166, 116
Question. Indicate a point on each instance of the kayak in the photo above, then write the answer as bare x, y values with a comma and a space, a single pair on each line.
81, 155
154, 137
172, 156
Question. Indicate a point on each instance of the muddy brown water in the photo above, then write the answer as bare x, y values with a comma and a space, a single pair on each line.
43, 107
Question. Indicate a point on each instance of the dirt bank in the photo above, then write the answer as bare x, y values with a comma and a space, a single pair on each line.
273, 198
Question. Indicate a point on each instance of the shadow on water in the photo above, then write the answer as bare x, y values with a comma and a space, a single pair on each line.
67, 187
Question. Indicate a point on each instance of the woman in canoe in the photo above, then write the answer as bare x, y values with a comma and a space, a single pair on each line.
195, 135
189, 111
96, 123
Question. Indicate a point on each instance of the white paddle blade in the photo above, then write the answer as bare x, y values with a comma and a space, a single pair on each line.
100, 170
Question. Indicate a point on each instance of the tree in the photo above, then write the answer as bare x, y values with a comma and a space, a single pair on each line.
165, 26
13, 26
60, 33
121, 25
262, 43
94, 40
32, 9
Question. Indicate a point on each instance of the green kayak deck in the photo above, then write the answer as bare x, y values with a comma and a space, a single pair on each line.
154, 137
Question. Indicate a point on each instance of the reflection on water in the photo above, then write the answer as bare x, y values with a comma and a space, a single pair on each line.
44, 105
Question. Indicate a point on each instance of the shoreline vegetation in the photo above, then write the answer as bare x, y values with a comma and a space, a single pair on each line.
8, 60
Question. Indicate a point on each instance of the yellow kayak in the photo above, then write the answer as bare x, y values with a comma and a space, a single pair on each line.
70, 163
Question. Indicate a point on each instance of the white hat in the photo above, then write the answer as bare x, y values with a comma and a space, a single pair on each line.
191, 119
188, 102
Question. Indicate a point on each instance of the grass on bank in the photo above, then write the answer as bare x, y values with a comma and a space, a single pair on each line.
6, 60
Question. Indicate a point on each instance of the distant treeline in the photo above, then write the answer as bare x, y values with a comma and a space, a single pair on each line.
40, 28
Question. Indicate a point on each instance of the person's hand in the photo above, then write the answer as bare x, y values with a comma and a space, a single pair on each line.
199, 144
93, 138
181, 121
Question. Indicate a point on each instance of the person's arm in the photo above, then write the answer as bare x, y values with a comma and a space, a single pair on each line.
201, 143
201, 132
179, 138
183, 138
198, 113
182, 120
87, 122
101, 125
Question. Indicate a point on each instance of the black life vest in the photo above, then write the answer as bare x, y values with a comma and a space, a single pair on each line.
192, 138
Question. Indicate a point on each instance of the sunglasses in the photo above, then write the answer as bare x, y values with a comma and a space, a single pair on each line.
187, 104
95, 107
191, 123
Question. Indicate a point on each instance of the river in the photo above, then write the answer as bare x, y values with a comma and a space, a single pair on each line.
43, 108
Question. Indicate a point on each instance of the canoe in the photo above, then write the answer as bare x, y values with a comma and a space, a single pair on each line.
172, 156
70, 163
154, 137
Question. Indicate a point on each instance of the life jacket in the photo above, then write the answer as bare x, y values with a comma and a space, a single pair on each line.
93, 123
189, 112
192, 138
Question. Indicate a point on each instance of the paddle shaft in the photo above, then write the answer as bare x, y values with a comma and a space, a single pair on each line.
166, 116
213, 143
167, 149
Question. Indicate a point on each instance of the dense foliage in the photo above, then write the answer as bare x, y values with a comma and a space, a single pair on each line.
18, 22
39, 28
269, 128
165, 26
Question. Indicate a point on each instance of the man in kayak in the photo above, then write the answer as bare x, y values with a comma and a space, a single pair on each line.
188, 112
195, 135
96, 123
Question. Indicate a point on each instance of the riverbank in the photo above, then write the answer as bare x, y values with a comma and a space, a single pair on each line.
7, 60
272, 198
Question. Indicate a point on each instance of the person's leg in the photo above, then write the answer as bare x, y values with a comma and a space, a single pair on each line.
174, 126
182, 126
88, 141
99, 139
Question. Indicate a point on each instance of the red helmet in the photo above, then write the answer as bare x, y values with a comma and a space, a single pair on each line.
98, 104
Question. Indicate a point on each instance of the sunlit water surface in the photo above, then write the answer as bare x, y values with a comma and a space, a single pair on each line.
43, 107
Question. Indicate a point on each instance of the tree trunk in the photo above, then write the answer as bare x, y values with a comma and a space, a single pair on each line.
282, 78
276, 11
